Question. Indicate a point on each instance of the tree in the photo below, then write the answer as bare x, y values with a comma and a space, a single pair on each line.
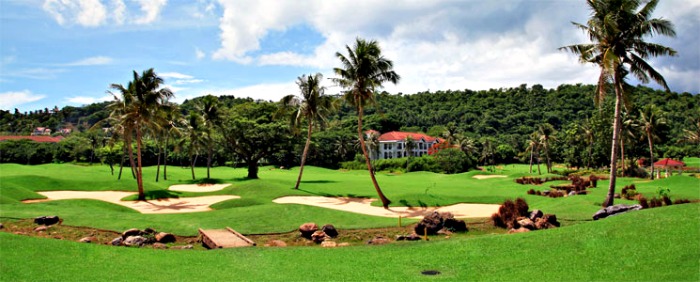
586, 129
209, 109
364, 70
137, 112
408, 146
617, 29
251, 133
196, 138
488, 152
533, 146
312, 105
546, 132
627, 127
650, 118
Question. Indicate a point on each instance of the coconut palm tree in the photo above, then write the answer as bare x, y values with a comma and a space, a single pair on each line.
209, 106
546, 132
650, 119
363, 70
533, 146
467, 145
617, 29
408, 147
312, 106
195, 138
141, 100
586, 129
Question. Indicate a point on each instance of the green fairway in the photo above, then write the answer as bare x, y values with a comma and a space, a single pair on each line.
254, 212
650, 245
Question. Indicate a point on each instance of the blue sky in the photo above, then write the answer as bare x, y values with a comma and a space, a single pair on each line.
68, 52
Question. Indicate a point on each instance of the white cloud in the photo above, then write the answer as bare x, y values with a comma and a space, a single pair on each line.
151, 10
85, 100
93, 13
12, 99
179, 79
199, 54
91, 61
35, 73
90, 13
175, 75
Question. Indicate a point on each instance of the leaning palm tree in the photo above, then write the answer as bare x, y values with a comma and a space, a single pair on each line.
312, 105
142, 99
363, 70
650, 118
617, 29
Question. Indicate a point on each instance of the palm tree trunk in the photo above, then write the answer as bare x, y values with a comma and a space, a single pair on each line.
615, 140
588, 162
622, 153
530, 161
303, 155
209, 153
193, 159
549, 161
385, 201
131, 158
651, 153
121, 164
160, 149
539, 172
165, 158
139, 171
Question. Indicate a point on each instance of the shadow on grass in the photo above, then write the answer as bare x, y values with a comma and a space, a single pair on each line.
318, 181
206, 181
161, 194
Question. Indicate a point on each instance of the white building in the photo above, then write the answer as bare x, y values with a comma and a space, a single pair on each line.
393, 144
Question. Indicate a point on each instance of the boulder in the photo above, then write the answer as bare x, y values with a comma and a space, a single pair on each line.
117, 241
379, 240
431, 223
89, 239
161, 246
276, 243
614, 210
455, 225
519, 230
527, 223
41, 228
319, 236
307, 229
541, 223
329, 244
330, 230
535, 214
149, 231
163, 237
131, 232
137, 241
47, 220
552, 219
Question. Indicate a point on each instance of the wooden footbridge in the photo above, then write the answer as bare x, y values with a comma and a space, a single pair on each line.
224, 238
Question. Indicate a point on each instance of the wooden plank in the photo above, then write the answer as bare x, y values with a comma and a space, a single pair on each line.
224, 238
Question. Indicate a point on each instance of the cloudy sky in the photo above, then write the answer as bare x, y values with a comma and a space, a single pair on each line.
68, 52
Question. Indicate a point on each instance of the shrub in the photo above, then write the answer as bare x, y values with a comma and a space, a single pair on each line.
643, 202
531, 192
508, 213
654, 202
667, 200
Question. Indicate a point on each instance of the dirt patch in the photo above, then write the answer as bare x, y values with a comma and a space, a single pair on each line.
159, 206
198, 187
480, 176
363, 206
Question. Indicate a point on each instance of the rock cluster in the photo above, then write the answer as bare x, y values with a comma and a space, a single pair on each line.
437, 221
311, 232
516, 217
135, 237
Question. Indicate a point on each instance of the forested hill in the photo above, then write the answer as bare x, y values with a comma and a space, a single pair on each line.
506, 116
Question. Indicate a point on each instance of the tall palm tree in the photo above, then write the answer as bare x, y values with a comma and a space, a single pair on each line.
168, 126
617, 29
310, 106
195, 138
650, 118
546, 132
209, 107
142, 99
533, 146
363, 70
408, 147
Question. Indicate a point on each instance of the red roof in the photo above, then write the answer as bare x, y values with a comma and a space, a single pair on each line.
669, 162
40, 139
399, 135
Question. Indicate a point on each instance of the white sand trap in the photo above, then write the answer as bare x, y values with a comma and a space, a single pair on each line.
480, 176
363, 206
169, 205
198, 187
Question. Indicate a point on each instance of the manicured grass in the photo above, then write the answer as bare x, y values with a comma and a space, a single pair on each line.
650, 245
692, 162
255, 212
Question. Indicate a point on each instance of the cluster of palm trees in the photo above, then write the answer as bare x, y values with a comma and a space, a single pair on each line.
617, 29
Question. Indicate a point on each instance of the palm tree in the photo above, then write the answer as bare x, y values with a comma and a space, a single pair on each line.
450, 133
467, 145
209, 108
617, 29
546, 132
408, 147
364, 70
650, 118
533, 146
142, 99
312, 105
487, 151
588, 133
196, 138
167, 127
692, 136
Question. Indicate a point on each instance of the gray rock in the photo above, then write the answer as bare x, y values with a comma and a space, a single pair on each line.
137, 241
330, 230
131, 232
535, 214
527, 223
615, 210
117, 241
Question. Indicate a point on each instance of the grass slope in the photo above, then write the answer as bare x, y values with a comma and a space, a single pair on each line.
650, 245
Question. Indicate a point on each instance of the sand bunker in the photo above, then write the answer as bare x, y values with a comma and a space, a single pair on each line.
169, 205
198, 187
362, 206
480, 177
